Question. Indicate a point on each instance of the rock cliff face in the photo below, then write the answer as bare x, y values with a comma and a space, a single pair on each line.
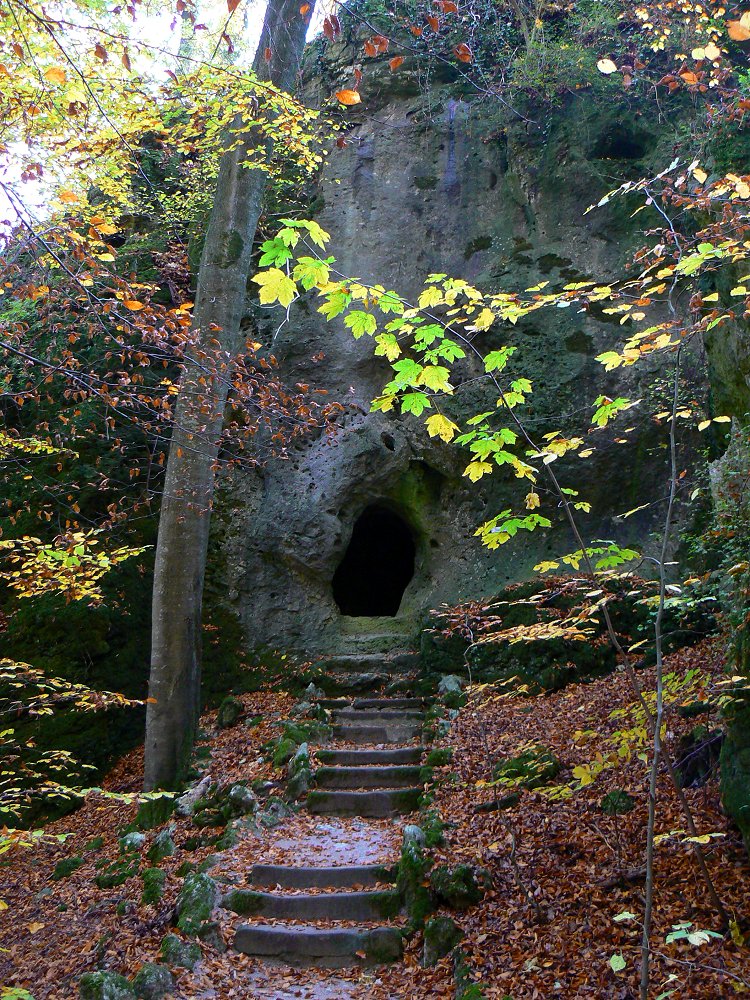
432, 181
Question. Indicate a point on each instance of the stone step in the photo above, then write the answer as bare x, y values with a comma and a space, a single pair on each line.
356, 683
371, 703
385, 715
383, 904
368, 758
376, 803
341, 877
394, 733
397, 776
334, 947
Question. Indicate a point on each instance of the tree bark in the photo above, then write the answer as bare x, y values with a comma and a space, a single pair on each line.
174, 684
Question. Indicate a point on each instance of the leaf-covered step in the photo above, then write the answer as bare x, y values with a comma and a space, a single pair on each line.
388, 733
309, 877
395, 776
384, 715
375, 803
321, 946
370, 703
367, 758
383, 904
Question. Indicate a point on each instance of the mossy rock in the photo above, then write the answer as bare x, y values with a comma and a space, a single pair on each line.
66, 867
196, 901
441, 935
459, 887
105, 986
95, 844
410, 882
131, 843
114, 873
178, 953
163, 846
154, 812
532, 768
439, 757
153, 981
285, 750
153, 885
229, 713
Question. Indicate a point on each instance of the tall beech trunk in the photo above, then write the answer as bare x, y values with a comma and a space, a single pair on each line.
175, 680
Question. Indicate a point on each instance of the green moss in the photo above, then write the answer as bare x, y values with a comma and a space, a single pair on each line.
477, 245
65, 868
114, 873
195, 902
459, 887
154, 812
245, 902
439, 757
153, 885
95, 844
426, 183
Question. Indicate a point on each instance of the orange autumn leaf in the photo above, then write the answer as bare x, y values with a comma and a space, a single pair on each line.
55, 74
304, 9
463, 52
447, 6
133, 305
737, 31
395, 62
348, 97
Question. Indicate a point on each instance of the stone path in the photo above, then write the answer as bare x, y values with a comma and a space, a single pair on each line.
338, 904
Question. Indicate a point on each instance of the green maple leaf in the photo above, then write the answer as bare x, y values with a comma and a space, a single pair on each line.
361, 323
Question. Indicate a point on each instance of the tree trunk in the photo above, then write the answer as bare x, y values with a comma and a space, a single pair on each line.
174, 685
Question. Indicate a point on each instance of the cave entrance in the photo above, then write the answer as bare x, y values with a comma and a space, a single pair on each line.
377, 565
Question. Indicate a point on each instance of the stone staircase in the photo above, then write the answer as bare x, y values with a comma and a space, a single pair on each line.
372, 771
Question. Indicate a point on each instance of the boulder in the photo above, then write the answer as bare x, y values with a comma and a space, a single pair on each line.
153, 981
458, 887
195, 904
230, 711
178, 953
105, 986
441, 935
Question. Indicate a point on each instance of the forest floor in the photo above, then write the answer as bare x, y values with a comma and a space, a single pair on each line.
545, 929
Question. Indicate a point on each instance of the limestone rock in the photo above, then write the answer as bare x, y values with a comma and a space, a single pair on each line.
179, 953
441, 935
195, 904
105, 986
153, 981
186, 803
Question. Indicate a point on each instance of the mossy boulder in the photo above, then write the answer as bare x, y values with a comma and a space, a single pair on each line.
196, 901
229, 713
458, 887
162, 846
180, 954
532, 768
284, 751
153, 981
105, 986
441, 935
153, 885
154, 812
66, 867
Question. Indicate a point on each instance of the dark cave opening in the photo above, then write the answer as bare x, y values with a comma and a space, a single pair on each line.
377, 566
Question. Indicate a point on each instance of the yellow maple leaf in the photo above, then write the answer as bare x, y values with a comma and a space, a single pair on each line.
475, 470
442, 427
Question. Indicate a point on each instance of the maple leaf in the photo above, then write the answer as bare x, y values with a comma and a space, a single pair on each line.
275, 286
442, 427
